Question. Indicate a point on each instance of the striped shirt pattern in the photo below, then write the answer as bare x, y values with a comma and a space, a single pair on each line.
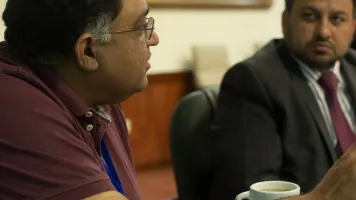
312, 77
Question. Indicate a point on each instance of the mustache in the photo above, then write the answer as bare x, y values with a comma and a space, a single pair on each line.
322, 41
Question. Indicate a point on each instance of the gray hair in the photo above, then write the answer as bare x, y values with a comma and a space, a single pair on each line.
64, 20
99, 28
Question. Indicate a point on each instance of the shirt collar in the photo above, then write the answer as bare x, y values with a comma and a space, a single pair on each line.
68, 96
314, 75
62, 90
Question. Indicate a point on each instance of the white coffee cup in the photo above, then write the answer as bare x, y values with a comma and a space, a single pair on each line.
270, 190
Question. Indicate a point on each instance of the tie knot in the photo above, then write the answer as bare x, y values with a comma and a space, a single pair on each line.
328, 81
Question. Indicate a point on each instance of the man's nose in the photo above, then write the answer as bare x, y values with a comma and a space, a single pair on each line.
324, 30
154, 41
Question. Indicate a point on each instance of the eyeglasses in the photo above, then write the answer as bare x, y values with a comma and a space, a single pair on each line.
148, 28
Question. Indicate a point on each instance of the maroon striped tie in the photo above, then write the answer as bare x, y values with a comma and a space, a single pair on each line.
346, 137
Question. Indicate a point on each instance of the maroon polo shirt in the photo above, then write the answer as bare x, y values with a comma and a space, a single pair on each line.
49, 138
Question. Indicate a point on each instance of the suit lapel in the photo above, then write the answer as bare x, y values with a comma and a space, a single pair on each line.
306, 95
349, 74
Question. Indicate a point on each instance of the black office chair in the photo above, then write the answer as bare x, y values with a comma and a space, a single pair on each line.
191, 143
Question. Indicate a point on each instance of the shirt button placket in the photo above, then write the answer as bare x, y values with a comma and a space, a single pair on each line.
88, 114
89, 127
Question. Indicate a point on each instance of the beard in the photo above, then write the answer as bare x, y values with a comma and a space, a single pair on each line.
308, 54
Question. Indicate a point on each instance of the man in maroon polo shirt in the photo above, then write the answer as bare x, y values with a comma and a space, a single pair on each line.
65, 66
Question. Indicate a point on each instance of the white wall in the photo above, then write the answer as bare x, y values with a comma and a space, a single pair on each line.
237, 29
180, 29
2, 28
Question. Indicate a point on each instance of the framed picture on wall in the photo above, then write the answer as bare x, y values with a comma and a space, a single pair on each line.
211, 3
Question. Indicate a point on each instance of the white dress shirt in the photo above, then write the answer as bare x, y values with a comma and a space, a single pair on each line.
312, 77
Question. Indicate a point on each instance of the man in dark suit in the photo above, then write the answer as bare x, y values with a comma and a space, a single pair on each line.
288, 112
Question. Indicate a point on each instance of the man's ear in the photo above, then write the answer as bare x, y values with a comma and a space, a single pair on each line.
85, 52
285, 19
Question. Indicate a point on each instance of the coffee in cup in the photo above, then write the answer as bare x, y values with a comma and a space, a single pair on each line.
270, 190
274, 190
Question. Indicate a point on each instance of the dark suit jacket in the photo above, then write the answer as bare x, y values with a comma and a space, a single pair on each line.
269, 125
